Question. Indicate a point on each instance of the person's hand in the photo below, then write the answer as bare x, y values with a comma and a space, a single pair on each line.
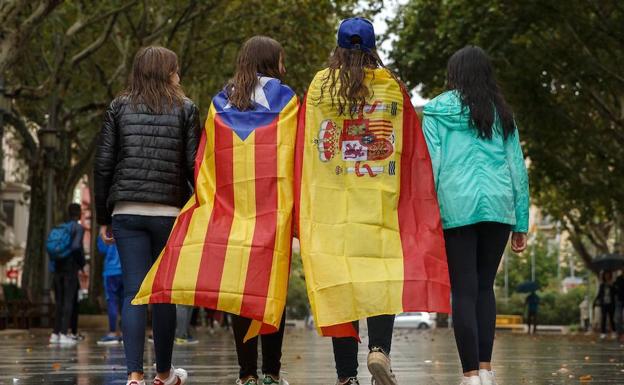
107, 235
518, 242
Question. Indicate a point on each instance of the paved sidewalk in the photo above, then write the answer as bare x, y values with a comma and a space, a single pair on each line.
419, 357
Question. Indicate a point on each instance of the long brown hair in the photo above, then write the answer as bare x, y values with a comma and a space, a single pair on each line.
346, 75
150, 81
258, 55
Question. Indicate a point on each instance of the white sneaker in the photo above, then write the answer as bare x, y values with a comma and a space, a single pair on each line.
603, 336
64, 339
135, 382
177, 376
54, 338
472, 380
487, 377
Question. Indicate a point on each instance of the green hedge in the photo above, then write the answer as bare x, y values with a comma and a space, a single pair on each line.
555, 308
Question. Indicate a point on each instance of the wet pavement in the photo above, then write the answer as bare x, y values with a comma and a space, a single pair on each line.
419, 357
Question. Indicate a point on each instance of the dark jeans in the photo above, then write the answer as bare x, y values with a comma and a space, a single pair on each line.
608, 312
140, 239
346, 348
247, 352
113, 289
73, 325
474, 253
65, 291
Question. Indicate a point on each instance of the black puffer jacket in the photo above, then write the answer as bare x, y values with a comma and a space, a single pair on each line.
145, 157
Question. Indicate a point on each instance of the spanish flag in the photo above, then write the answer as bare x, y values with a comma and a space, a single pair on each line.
366, 208
230, 247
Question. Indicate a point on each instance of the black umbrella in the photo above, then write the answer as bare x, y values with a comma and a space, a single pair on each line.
608, 262
527, 287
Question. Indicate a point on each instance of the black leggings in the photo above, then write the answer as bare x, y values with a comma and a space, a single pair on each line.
346, 348
474, 253
247, 352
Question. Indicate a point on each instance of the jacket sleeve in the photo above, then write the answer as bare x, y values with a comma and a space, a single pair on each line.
430, 129
520, 182
192, 132
105, 160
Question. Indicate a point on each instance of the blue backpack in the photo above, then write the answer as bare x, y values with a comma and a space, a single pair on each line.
59, 241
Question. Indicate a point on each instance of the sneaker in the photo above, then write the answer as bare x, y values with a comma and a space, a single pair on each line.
270, 380
150, 339
135, 382
65, 339
54, 338
350, 381
109, 340
380, 369
487, 377
177, 376
472, 380
186, 341
603, 336
77, 337
248, 381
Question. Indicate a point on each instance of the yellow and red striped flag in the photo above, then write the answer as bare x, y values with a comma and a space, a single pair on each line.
366, 209
231, 245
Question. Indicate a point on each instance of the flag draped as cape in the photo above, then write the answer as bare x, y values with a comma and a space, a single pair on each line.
230, 247
367, 212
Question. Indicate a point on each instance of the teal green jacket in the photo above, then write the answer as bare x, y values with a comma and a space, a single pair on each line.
477, 180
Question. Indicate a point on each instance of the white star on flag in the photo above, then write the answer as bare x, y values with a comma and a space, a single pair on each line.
258, 96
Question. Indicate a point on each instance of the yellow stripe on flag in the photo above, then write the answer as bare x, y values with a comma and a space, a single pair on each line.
191, 254
243, 224
278, 283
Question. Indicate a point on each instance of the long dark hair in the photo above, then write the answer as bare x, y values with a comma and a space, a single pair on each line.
150, 81
470, 72
258, 55
345, 78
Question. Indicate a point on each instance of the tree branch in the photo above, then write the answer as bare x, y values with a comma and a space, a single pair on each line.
21, 127
96, 44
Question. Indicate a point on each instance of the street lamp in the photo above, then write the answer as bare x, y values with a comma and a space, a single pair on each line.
49, 141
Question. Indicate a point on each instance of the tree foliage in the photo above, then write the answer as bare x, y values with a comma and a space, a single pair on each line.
559, 64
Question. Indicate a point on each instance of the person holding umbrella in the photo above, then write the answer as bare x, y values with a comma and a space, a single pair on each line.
532, 304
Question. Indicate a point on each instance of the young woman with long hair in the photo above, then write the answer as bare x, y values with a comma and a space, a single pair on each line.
365, 184
260, 64
144, 167
483, 191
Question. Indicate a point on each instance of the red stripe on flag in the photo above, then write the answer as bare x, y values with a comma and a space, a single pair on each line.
299, 152
263, 243
220, 223
163, 280
341, 330
425, 280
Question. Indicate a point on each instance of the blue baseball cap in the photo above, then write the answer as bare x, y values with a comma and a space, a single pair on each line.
356, 26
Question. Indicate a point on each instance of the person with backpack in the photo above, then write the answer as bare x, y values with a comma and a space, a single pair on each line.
67, 259
483, 190
144, 171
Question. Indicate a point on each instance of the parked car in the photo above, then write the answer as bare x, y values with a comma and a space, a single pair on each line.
417, 320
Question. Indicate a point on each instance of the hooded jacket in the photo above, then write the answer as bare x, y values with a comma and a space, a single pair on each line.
477, 180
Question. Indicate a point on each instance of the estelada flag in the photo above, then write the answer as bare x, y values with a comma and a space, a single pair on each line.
367, 212
231, 244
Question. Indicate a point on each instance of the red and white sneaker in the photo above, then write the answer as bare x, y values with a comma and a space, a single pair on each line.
135, 382
177, 376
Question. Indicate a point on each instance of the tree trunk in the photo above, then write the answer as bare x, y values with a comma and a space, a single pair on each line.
35, 259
